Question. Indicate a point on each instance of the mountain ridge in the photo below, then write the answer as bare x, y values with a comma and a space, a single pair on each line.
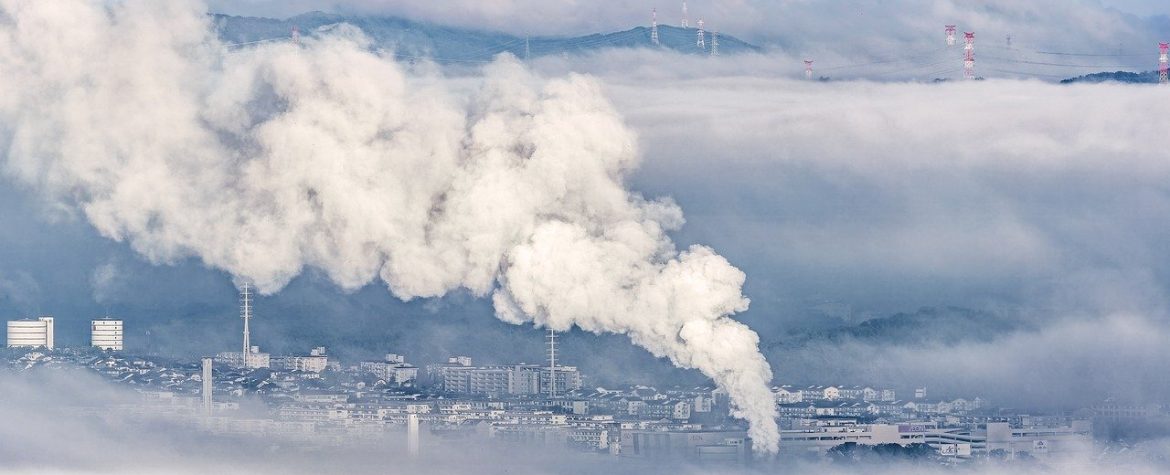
447, 45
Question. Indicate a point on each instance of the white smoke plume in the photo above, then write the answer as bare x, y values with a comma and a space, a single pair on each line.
264, 161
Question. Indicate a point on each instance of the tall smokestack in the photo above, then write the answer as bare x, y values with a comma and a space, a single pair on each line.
412, 434
208, 386
246, 314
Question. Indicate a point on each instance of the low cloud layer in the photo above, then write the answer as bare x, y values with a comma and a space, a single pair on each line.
1040, 203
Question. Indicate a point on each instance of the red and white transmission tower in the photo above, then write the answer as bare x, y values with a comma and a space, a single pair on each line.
654, 25
686, 23
700, 40
808, 69
950, 35
296, 35
969, 56
1164, 63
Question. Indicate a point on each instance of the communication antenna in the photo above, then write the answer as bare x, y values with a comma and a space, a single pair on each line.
686, 23
1009, 41
808, 69
246, 314
654, 25
700, 40
527, 51
552, 363
296, 35
950, 35
969, 56
1164, 63
714, 43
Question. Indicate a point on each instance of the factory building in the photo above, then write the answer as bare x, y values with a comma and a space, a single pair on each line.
106, 334
701, 446
31, 332
961, 442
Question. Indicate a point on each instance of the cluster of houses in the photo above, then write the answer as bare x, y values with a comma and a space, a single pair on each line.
804, 402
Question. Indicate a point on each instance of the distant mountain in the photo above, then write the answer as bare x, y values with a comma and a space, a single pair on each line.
1148, 77
947, 325
410, 39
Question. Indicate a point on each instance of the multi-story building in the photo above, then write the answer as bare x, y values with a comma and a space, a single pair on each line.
256, 359
457, 377
315, 362
106, 334
567, 379
31, 332
393, 369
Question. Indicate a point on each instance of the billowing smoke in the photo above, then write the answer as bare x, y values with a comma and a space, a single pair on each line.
267, 160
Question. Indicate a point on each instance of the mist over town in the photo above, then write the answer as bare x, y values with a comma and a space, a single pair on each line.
534, 237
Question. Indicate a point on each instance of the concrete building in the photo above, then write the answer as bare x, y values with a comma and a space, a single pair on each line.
31, 333
393, 369
315, 362
499, 380
256, 359
567, 379
106, 334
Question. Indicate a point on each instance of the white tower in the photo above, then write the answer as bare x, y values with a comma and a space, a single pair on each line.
246, 314
686, 23
207, 385
700, 40
654, 26
714, 43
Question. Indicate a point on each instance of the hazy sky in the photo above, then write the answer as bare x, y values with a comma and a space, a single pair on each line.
1040, 207
757, 19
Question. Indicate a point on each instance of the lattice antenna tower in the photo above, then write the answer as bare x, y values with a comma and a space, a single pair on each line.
701, 38
686, 22
969, 56
951, 35
552, 363
808, 73
246, 314
527, 50
714, 43
296, 35
1164, 63
654, 25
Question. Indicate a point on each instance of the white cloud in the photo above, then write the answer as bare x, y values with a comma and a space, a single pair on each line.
269, 160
